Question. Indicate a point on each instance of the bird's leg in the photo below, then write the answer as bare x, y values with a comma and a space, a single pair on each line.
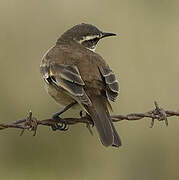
63, 124
89, 118
91, 122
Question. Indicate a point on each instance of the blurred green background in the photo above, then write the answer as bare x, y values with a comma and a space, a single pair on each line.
145, 57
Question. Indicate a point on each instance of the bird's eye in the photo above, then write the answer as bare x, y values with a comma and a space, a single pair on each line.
94, 41
90, 43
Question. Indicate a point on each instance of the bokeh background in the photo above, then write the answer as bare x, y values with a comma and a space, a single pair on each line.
144, 56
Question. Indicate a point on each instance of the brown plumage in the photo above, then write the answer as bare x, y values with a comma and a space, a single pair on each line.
75, 73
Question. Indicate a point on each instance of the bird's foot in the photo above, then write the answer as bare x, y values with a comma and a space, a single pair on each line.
90, 121
89, 124
62, 125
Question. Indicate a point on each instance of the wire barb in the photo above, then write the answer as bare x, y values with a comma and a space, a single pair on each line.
161, 113
30, 123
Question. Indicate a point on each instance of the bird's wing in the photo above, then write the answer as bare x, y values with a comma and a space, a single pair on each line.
111, 83
67, 78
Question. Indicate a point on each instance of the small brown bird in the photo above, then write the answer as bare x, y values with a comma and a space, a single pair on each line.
76, 76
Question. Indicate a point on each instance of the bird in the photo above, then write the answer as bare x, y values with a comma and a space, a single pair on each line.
79, 78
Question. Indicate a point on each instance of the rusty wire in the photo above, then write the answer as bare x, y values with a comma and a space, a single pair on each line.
31, 123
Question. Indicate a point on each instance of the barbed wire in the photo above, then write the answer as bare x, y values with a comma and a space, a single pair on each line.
31, 123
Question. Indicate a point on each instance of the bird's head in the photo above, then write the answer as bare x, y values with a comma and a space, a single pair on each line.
86, 35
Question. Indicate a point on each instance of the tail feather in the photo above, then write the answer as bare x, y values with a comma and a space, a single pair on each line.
102, 120
117, 140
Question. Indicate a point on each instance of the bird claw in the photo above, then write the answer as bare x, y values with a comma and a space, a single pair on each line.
89, 120
62, 125
89, 124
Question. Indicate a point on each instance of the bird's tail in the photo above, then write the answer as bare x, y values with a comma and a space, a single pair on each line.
102, 120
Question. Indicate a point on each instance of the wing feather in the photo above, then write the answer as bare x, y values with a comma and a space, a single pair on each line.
68, 78
111, 83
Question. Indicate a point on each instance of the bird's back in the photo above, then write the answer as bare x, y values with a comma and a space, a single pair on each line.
88, 62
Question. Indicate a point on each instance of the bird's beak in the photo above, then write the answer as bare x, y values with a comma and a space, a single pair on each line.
106, 34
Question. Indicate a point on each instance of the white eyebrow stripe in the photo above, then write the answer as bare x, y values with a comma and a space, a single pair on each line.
86, 38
